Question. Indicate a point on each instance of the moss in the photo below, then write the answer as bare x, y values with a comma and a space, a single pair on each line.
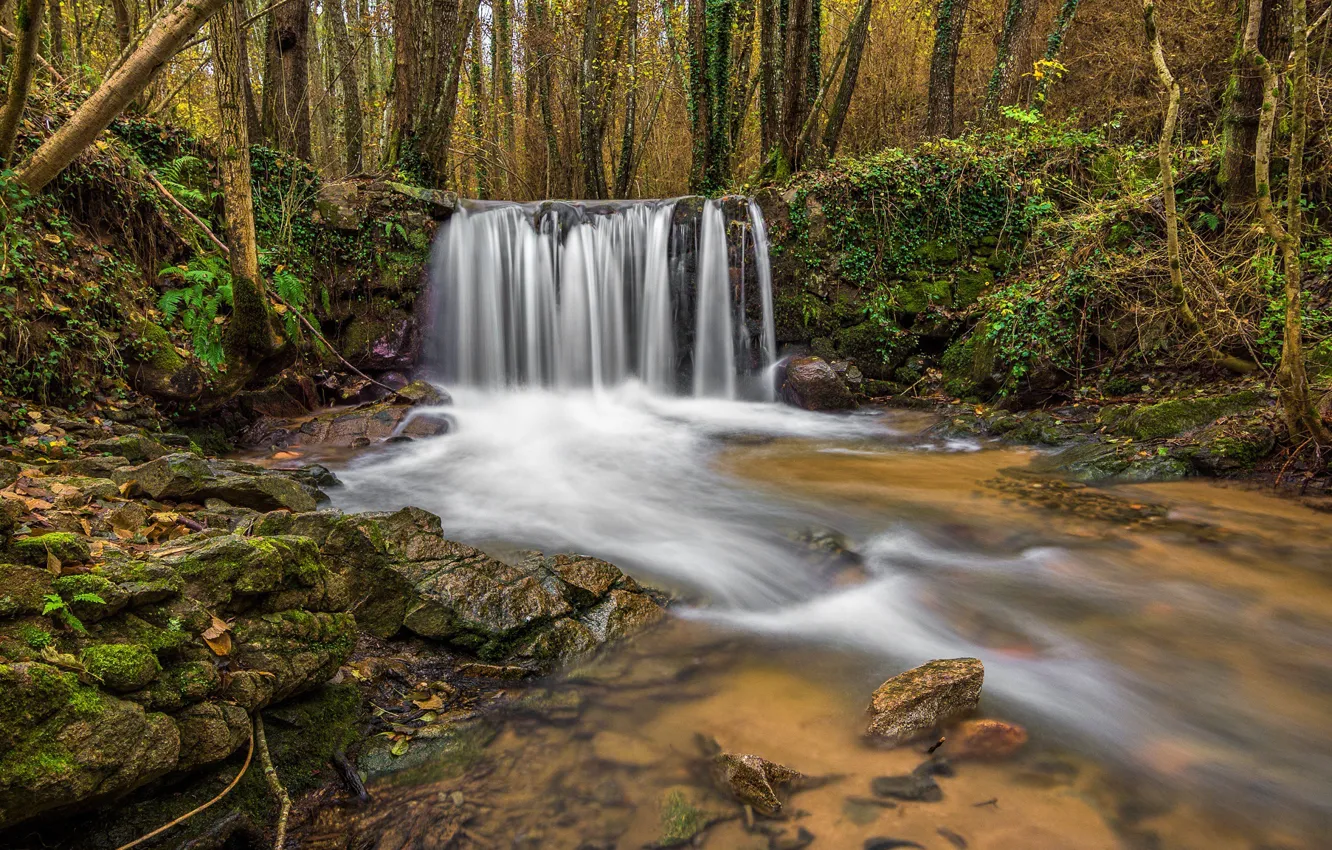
121, 666
86, 701
1173, 417
22, 589
68, 548
34, 637
155, 348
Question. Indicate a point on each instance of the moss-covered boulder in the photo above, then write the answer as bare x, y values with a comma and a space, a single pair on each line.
210, 732
62, 743
1101, 461
65, 546
1176, 416
186, 478
1232, 445
233, 573
121, 667
285, 653
90, 596
134, 448
22, 589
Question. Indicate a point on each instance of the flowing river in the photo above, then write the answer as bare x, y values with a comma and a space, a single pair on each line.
1169, 647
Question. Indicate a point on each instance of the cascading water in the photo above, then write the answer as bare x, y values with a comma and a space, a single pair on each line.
571, 294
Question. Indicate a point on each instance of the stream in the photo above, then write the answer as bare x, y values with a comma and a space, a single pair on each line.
1166, 646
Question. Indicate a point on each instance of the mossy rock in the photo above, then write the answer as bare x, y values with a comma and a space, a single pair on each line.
866, 343
234, 567
939, 252
970, 285
686, 812
1098, 461
22, 589
1233, 445
144, 582
121, 667
135, 448
68, 548
1175, 416
82, 591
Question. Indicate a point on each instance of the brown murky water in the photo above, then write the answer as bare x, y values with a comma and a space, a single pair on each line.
1169, 648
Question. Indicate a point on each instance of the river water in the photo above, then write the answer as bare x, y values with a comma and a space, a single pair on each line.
1168, 646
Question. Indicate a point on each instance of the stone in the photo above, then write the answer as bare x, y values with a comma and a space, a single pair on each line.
625, 750
984, 739
121, 667
135, 448
186, 478
924, 698
1175, 416
686, 813
812, 384
66, 547
62, 742
209, 732
753, 781
22, 590
913, 787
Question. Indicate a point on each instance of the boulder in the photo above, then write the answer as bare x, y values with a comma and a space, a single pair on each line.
63, 742
121, 667
812, 384
187, 478
754, 781
1175, 416
368, 423
913, 703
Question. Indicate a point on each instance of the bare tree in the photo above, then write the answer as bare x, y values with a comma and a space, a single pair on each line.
950, 18
29, 21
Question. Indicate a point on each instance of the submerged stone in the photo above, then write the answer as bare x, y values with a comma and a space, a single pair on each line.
753, 780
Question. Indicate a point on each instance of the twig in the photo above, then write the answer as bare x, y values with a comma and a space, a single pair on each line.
225, 791
59, 78
190, 213
1282, 474
274, 784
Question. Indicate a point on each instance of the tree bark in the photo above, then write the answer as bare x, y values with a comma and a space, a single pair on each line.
856, 37
794, 79
950, 19
624, 171
1011, 56
478, 116
57, 52
286, 115
545, 70
249, 332
353, 121
253, 126
770, 51
590, 77
95, 113
502, 85
1243, 101
124, 24
29, 22
1292, 379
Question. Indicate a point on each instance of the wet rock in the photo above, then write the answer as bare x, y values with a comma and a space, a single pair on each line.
788, 840
914, 787
210, 732
753, 780
121, 667
812, 384
881, 843
1110, 461
186, 478
1175, 416
62, 742
985, 739
135, 448
382, 342
686, 813
283, 654
924, 698
66, 547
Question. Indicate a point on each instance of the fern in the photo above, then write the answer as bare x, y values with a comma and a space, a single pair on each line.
198, 304
57, 607
190, 180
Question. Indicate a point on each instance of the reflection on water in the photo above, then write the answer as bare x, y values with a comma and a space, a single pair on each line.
1168, 646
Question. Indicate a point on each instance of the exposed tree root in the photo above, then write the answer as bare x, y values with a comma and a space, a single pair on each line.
274, 784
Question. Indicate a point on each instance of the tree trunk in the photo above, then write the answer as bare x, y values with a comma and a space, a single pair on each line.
1054, 45
1292, 379
286, 115
29, 22
624, 172
57, 53
249, 332
1165, 162
502, 85
856, 37
590, 76
794, 79
95, 113
253, 126
770, 51
124, 24
545, 70
950, 19
1019, 18
353, 122
478, 116
1243, 99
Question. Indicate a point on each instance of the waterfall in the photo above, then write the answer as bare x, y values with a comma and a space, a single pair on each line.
583, 294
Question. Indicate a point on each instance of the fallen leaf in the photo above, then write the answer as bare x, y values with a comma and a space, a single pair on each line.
41, 427
400, 746
87, 527
127, 486
430, 704
220, 645
52, 562
216, 628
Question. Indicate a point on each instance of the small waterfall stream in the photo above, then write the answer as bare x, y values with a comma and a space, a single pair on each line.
573, 294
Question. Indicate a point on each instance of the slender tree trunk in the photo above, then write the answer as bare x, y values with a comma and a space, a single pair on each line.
950, 19
794, 79
1054, 45
856, 37
477, 82
591, 74
124, 24
545, 70
253, 126
1243, 100
286, 115
1164, 159
1019, 18
57, 55
502, 88
94, 114
249, 332
769, 87
29, 22
1292, 379
624, 172
353, 122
